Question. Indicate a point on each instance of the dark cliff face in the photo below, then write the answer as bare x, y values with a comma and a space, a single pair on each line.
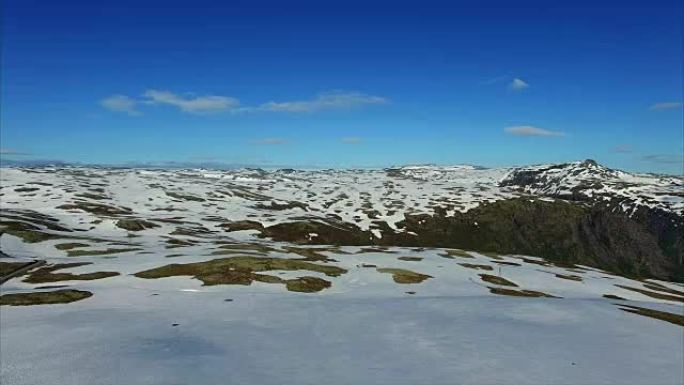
564, 232
647, 244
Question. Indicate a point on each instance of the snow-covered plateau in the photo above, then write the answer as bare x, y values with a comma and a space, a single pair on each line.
553, 274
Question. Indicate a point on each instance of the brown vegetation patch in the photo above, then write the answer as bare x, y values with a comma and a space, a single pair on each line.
307, 284
451, 253
476, 266
403, 275
653, 294
44, 297
658, 287
135, 224
519, 293
96, 208
242, 225
676, 319
7, 268
497, 280
47, 274
70, 245
506, 263
87, 253
570, 277
26, 189
184, 197
243, 270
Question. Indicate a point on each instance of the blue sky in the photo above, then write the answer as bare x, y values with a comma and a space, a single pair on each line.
344, 84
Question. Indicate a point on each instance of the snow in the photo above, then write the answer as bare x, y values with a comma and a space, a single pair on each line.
366, 331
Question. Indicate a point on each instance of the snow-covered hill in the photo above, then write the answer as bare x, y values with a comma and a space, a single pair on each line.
588, 180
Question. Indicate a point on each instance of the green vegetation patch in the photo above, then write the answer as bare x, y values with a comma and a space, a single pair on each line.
412, 259
403, 275
44, 297
676, 319
497, 280
47, 274
243, 270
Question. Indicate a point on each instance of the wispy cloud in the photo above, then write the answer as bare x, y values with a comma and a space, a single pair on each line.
514, 83
207, 104
663, 158
351, 140
623, 149
192, 104
270, 141
666, 106
8, 151
120, 103
325, 101
518, 84
531, 131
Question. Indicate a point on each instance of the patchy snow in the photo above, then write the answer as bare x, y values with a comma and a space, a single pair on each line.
364, 328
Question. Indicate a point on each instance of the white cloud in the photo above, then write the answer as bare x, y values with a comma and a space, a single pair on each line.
517, 84
120, 103
666, 106
351, 140
270, 141
216, 103
531, 131
195, 105
325, 101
